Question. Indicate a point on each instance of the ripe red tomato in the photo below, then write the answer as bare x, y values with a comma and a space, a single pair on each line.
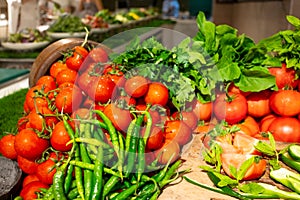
76, 57
157, 93
29, 192
136, 86
258, 103
29, 178
47, 81
116, 75
42, 118
202, 110
285, 129
84, 80
45, 171
98, 54
188, 117
156, 138
285, 77
102, 89
68, 99
29, 145
60, 137
27, 166
34, 99
170, 151
285, 102
7, 146
255, 171
178, 131
231, 110
66, 75
56, 67
120, 118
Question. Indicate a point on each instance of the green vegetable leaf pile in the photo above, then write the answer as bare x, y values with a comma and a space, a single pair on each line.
215, 57
69, 24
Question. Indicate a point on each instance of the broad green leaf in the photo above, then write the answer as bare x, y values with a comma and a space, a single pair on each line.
294, 21
225, 29
229, 71
244, 167
255, 79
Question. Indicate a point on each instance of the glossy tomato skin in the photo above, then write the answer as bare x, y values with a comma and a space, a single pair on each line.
60, 137
56, 67
68, 99
136, 86
29, 178
33, 99
29, 145
156, 138
27, 166
202, 110
98, 54
7, 146
116, 75
178, 131
258, 103
251, 124
42, 118
47, 81
120, 118
233, 110
45, 171
77, 57
265, 122
285, 129
66, 75
102, 89
170, 151
285, 102
157, 94
188, 117
30, 190
285, 77
255, 171
84, 80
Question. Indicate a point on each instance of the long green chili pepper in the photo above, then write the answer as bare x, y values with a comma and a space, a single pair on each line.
141, 147
88, 174
128, 192
91, 167
131, 158
113, 136
110, 183
78, 171
98, 176
73, 193
68, 178
129, 133
49, 194
58, 185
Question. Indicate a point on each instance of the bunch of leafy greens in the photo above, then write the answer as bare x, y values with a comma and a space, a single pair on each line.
69, 24
215, 57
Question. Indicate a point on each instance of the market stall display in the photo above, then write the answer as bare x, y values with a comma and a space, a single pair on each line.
212, 112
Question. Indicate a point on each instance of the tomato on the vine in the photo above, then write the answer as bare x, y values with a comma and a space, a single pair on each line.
98, 54
29, 192
56, 67
47, 81
29, 145
231, 107
189, 117
156, 138
68, 99
101, 89
29, 178
75, 60
42, 119
169, 152
66, 75
46, 170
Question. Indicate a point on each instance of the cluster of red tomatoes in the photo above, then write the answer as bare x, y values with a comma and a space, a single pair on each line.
255, 114
76, 84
